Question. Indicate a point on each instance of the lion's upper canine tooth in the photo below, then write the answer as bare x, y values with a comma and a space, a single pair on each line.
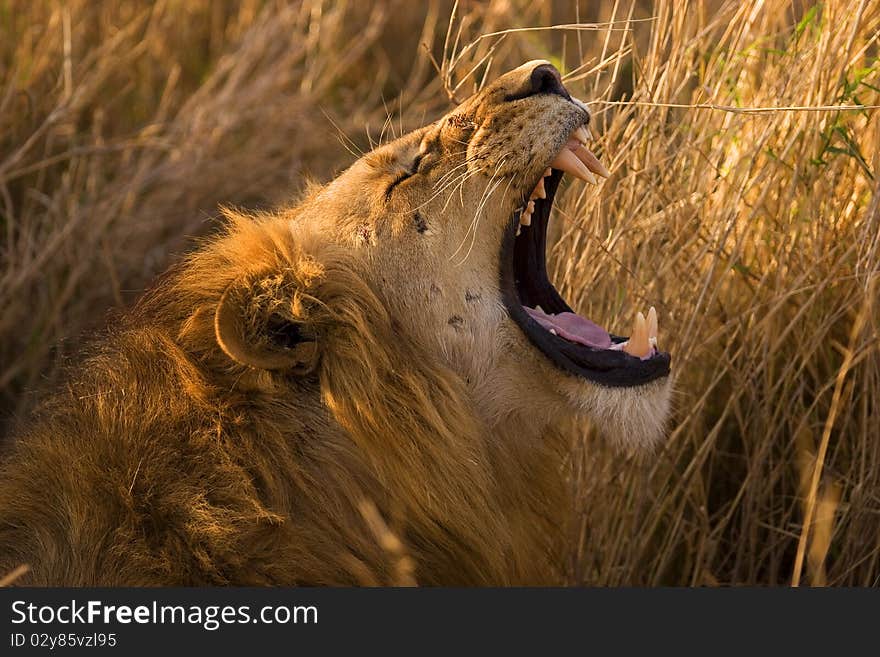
581, 135
639, 345
593, 164
567, 161
539, 191
547, 171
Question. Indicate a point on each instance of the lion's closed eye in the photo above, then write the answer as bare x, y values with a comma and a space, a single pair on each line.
405, 174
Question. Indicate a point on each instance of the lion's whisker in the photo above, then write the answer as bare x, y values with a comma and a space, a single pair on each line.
487, 192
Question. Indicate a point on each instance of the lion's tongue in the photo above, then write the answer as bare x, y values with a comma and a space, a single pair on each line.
572, 327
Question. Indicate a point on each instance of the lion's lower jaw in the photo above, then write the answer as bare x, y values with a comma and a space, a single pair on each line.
630, 418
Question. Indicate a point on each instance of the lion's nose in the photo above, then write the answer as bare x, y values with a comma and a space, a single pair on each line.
545, 79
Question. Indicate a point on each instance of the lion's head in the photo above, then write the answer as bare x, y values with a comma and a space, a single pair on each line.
448, 227
392, 340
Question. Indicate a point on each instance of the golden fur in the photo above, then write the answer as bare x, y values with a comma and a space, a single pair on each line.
312, 364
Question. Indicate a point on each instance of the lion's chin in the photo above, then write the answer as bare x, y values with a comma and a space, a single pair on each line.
630, 419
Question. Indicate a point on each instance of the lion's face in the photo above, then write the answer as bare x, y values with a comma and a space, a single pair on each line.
438, 219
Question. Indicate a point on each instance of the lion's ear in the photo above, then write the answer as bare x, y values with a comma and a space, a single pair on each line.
256, 327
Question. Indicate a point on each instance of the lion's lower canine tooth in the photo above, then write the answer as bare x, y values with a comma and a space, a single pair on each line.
569, 162
593, 164
639, 345
652, 323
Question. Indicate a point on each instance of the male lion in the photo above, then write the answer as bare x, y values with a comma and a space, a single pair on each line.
389, 351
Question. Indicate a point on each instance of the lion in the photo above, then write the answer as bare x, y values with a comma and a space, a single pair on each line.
362, 388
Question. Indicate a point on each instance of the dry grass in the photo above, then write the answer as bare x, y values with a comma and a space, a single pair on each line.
757, 235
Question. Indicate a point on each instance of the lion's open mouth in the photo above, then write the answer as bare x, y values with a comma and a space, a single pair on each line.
574, 343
